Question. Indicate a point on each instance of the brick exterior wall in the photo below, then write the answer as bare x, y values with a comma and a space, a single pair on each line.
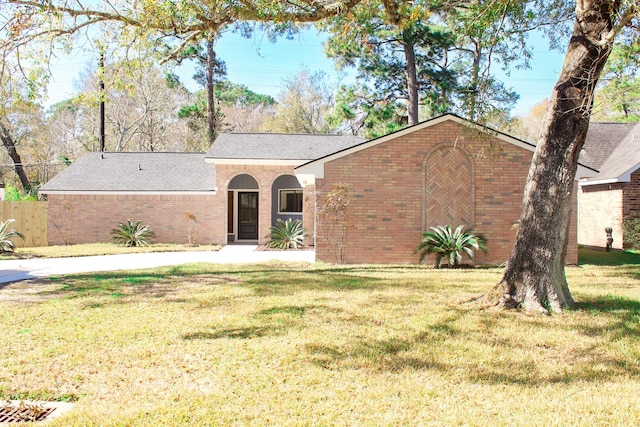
441, 174
600, 206
632, 195
606, 205
90, 218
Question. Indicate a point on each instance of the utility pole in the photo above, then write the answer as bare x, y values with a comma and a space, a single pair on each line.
102, 97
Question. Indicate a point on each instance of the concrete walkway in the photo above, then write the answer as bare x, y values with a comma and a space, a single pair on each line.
22, 269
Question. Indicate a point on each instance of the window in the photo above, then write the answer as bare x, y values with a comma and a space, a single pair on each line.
290, 201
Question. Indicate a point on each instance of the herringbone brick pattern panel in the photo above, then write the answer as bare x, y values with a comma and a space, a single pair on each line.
448, 192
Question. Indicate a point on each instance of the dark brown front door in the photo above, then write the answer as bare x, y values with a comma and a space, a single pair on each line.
247, 216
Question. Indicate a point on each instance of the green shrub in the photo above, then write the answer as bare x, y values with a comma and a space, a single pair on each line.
6, 245
631, 232
450, 244
286, 234
132, 234
12, 194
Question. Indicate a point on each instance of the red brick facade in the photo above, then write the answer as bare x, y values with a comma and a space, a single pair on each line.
442, 174
75, 218
89, 218
606, 205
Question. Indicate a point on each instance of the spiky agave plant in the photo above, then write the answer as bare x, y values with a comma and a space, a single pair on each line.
6, 234
450, 244
132, 234
286, 234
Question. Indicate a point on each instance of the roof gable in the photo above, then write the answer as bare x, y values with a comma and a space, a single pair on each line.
273, 148
135, 172
315, 168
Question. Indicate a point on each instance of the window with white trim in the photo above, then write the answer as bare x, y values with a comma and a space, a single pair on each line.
290, 201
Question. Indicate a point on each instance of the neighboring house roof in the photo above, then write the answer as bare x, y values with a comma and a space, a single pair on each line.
315, 168
135, 173
614, 150
273, 148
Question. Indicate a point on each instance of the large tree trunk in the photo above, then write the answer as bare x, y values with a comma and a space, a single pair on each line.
10, 145
412, 80
534, 277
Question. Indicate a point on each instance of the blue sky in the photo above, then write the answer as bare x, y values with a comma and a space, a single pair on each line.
263, 66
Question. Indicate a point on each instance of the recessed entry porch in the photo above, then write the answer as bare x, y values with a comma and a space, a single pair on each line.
250, 213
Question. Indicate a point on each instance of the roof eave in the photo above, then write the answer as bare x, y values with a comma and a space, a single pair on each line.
622, 178
129, 192
256, 162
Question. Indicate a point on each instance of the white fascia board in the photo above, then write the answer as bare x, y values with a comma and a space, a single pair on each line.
624, 177
314, 168
306, 178
317, 167
256, 162
131, 193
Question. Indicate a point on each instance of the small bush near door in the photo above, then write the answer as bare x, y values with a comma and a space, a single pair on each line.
132, 234
448, 244
286, 234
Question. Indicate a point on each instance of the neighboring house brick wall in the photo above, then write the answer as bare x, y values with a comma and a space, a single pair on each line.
601, 206
394, 185
632, 195
90, 218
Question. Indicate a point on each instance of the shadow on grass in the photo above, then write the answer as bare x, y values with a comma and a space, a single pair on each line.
234, 333
261, 280
474, 350
613, 258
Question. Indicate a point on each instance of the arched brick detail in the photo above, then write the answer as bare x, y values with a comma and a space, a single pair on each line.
447, 187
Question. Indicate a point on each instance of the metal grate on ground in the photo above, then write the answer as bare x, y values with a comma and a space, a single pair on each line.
23, 412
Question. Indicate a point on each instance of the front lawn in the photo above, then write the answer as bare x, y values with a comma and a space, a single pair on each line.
91, 249
292, 344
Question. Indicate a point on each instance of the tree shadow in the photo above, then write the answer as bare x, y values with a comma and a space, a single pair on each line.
503, 359
245, 333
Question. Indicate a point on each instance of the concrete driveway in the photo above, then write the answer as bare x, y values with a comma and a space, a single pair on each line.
22, 269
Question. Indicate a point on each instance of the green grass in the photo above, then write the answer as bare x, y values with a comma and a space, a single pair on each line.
601, 257
90, 249
292, 344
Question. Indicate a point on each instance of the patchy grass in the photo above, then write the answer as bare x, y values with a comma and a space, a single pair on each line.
293, 344
90, 249
602, 257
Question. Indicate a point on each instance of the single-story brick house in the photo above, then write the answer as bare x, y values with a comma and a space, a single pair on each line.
612, 149
443, 171
235, 191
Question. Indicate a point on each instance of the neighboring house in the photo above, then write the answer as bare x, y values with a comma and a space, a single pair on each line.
443, 171
612, 149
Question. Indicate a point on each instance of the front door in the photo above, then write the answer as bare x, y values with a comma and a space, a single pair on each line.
247, 216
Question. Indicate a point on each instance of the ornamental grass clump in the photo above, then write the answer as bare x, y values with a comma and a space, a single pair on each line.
6, 234
286, 234
450, 244
132, 234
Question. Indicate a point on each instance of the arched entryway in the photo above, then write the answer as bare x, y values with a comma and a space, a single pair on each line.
242, 202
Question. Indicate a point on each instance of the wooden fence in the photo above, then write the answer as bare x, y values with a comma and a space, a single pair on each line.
31, 221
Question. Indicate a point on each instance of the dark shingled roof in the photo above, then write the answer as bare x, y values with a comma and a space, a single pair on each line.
612, 148
136, 172
273, 146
